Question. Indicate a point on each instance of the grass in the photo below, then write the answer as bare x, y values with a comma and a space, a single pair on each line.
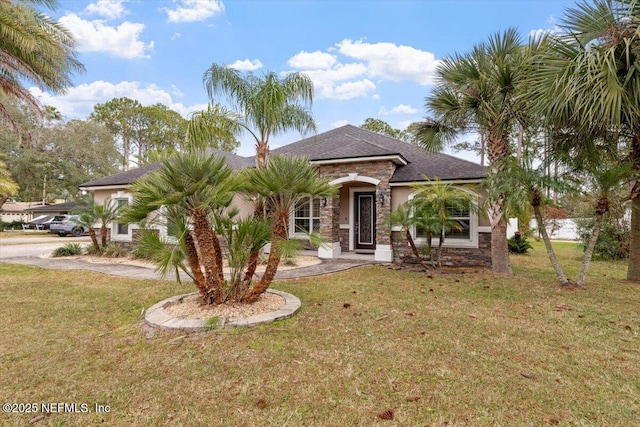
444, 350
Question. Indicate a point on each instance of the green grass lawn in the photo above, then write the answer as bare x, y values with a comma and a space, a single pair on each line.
443, 350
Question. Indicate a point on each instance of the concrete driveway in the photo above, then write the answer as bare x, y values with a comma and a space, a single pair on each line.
35, 246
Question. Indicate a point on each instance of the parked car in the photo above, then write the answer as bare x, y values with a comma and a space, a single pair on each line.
40, 223
67, 224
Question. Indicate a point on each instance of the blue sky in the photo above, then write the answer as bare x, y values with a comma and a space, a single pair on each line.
366, 58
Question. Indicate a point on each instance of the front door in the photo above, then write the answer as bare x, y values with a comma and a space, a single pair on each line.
365, 224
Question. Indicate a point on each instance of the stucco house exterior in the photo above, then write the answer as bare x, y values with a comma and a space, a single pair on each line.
373, 173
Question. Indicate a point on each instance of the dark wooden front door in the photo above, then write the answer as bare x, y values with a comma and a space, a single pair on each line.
365, 224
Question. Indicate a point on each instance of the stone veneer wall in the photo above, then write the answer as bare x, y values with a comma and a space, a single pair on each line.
330, 215
455, 257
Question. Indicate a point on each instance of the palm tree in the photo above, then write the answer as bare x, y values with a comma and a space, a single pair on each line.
588, 80
8, 187
403, 216
433, 204
282, 183
266, 105
193, 187
34, 49
480, 91
103, 214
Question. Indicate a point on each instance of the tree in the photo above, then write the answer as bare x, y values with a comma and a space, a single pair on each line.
266, 105
282, 183
122, 117
103, 214
384, 128
8, 187
34, 49
192, 194
433, 205
588, 79
480, 91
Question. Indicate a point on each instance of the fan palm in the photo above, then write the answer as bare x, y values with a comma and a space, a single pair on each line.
282, 183
588, 79
480, 91
433, 205
103, 214
194, 187
35, 49
266, 105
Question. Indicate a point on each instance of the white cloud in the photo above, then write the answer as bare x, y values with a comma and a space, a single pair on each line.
339, 123
311, 61
109, 9
398, 109
246, 65
336, 74
78, 103
96, 36
392, 62
330, 82
176, 36
193, 10
357, 89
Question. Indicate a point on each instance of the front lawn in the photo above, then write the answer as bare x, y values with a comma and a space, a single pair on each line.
434, 350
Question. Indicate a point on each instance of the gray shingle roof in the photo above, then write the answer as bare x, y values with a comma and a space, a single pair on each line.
58, 207
353, 142
127, 177
346, 142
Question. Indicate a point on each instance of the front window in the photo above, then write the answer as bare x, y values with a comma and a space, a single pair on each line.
459, 226
122, 228
306, 216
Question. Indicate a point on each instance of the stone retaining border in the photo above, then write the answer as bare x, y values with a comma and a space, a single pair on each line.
156, 317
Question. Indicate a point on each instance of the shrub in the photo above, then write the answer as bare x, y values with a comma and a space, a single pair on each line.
518, 244
613, 241
70, 249
114, 250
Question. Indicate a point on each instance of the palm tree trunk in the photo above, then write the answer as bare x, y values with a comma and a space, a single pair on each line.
262, 154
415, 250
279, 233
498, 150
588, 253
94, 240
194, 265
204, 239
103, 235
252, 264
633, 270
547, 244
440, 248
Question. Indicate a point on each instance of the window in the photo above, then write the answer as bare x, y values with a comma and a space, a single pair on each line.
306, 216
122, 228
461, 232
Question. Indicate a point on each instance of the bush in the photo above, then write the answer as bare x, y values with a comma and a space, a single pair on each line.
114, 250
613, 241
518, 244
70, 249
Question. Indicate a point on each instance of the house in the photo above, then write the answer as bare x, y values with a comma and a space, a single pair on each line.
374, 174
17, 211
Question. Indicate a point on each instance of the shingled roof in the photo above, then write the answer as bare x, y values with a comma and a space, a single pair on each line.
346, 142
127, 177
351, 142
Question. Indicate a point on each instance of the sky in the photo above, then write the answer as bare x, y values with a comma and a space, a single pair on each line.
366, 58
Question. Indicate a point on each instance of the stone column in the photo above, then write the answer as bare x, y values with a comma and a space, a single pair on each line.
330, 227
384, 252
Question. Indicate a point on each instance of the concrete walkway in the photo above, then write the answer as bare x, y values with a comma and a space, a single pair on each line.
138, 272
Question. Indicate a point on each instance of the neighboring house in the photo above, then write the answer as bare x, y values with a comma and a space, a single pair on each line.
17, 211
55, 209
374, 173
